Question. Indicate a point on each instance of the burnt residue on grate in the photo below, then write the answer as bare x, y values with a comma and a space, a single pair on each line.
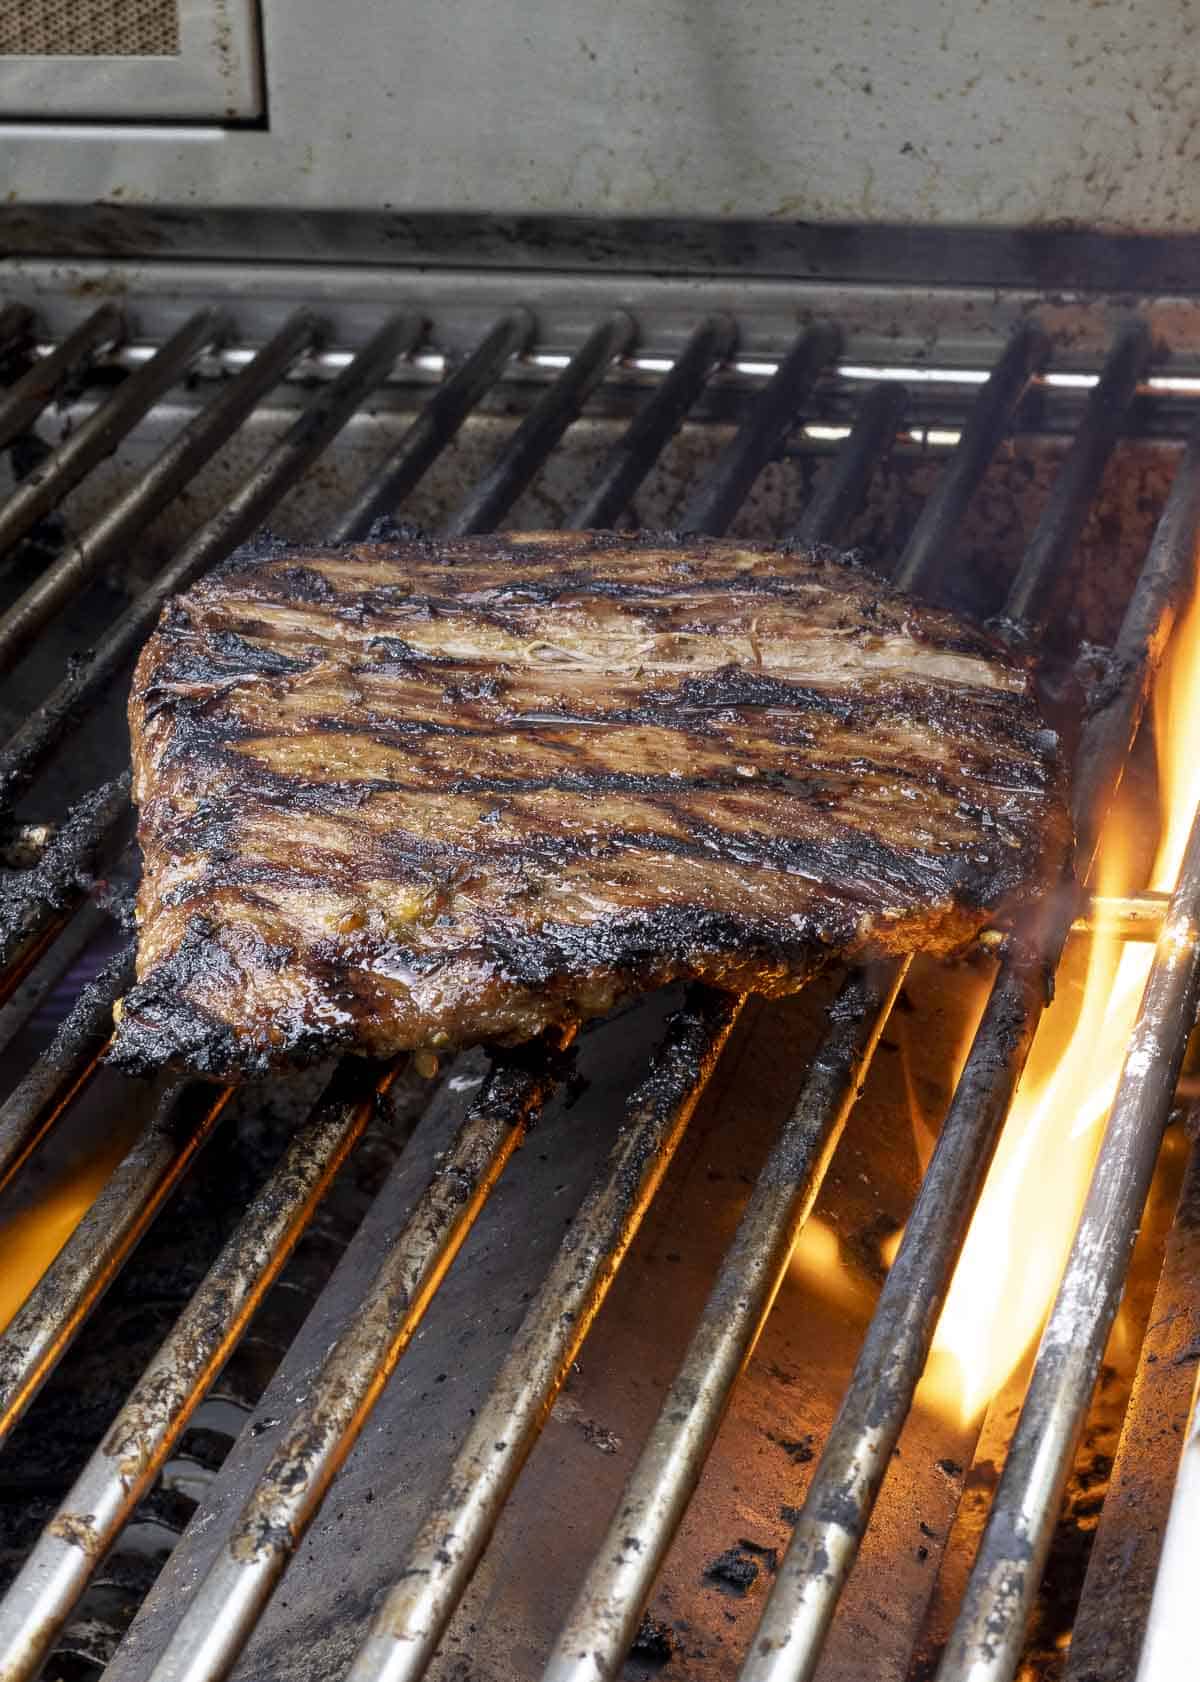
654, 1644
737, 1570
64, 872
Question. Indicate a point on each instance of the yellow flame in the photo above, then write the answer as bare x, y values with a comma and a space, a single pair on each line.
924, 1130
1021, 1233
817, 1263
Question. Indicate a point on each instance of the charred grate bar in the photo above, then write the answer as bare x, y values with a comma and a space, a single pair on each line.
595, 1640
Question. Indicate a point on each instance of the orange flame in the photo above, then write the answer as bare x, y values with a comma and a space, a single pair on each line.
30, 1240
31, 1237
924, 1130
1022, 1229
817, 1264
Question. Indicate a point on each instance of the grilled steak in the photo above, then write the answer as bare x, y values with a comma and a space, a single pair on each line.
428, 794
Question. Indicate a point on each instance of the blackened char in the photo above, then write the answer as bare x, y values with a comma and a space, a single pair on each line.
415, 793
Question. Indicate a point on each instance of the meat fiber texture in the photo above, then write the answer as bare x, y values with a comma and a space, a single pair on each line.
429, 794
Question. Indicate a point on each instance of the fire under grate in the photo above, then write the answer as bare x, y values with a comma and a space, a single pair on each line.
63, 866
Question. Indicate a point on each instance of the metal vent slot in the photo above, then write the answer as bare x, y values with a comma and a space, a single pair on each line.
90, 28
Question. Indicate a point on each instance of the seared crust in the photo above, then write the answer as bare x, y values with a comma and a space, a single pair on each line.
428, 793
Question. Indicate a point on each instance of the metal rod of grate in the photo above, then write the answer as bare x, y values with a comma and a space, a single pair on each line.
871, 437
182, 459
715, 502
435, 426
1071, 495
24, 401
542, 428
926, 553
104, 429
654, 426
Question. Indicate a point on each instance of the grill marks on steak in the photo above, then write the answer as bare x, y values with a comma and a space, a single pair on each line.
435, 793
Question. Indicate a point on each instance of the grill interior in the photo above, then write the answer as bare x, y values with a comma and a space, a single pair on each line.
330, 1208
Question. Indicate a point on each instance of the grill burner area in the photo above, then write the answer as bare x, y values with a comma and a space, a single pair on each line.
332, 1274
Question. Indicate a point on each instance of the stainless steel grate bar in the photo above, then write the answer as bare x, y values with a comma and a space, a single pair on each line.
435, 426
182, 459
119, 1473
925, 556
871, 438
1071, 495
542, 428
654, 426
24, 400
103, 430
775, 411
604, 1617
987, 1638
221, 1615
410, 1622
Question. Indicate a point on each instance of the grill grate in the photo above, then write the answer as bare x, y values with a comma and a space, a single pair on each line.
49, 900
